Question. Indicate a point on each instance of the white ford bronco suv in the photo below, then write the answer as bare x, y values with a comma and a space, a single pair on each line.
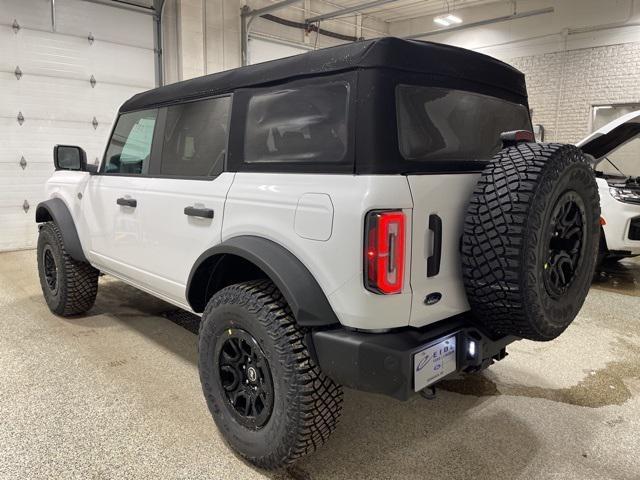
374, 215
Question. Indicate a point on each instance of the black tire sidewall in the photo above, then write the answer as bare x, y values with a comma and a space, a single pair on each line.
268, 440
558, 313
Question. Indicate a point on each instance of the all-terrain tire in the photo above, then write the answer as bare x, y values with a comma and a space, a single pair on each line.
515, 274
69, 286
306, 404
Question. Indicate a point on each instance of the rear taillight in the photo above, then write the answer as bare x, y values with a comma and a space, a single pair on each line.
384, 251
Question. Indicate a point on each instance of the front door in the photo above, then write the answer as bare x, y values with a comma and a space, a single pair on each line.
113, 200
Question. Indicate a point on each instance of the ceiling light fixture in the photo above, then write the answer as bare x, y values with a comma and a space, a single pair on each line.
447, 20
453, 18
441, 20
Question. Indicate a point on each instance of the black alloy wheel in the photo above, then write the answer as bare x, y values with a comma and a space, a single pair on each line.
246, 378
50, 269
565, 244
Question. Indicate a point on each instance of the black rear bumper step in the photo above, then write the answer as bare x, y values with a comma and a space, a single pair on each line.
383, 362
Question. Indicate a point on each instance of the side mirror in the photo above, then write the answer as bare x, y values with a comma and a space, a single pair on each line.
69, 157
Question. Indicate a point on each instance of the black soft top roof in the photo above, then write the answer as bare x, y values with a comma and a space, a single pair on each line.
411, 56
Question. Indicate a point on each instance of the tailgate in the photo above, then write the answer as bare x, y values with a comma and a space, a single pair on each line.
443, 199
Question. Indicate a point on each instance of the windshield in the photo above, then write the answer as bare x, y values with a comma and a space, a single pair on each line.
444, 124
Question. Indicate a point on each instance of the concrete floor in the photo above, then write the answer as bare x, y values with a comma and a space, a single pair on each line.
115, 394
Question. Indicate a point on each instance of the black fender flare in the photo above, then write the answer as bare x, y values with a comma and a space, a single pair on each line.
55, 210
302, 292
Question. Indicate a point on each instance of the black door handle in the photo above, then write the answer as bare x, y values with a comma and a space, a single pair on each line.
198, 212
127, 202
433, 262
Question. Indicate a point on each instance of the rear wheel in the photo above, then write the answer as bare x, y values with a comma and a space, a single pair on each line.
530, 241
69, 287
269, 399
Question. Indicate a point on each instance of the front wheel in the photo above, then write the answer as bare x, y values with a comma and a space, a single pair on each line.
69, 287
267, 396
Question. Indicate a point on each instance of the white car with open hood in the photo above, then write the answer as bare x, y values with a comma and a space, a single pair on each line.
614, 151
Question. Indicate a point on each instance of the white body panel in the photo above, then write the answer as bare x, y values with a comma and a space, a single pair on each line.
115, 235
617, 216
173, 241
446, 196
265, 205
318, 218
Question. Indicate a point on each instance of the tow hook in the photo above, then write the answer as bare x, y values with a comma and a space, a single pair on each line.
429, 392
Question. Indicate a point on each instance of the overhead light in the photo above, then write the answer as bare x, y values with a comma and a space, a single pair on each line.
441, 21
447, 20
453, 18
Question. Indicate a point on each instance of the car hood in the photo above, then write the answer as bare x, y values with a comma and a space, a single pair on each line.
610, 137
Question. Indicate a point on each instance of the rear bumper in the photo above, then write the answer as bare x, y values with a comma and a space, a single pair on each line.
383, 362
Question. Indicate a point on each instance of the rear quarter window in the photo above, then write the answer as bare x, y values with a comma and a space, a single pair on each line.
298, 125
443, 124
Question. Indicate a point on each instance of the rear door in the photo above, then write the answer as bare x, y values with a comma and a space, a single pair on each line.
184, 200
451, 128
439, 203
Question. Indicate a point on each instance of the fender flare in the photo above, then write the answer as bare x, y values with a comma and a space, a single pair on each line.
55, 210
302, 292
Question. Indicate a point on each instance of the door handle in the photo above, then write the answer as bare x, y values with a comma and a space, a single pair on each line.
127, 202
433, 262
198, 212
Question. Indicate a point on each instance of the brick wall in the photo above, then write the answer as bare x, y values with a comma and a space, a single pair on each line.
564, 86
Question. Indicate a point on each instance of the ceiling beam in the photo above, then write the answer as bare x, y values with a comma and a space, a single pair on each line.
345, 11
268, 9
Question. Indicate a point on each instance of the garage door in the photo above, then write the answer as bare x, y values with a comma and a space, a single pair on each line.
60, 82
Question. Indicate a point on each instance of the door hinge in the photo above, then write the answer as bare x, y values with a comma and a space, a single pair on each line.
23, 162
16, 26
20, 118
91, 38
92, 81
26, 206
18, 73
95, 123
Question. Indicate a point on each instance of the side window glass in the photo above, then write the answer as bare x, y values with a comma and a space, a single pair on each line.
195, 138
130, 146
298, 125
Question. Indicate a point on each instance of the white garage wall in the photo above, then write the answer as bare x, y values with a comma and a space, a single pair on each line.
264, 50
203, 36
55, 96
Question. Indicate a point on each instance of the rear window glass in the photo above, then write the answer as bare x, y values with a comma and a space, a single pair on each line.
444, 124
305, 124
195, 138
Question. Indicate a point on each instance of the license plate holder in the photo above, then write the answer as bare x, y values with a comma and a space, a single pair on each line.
434, 362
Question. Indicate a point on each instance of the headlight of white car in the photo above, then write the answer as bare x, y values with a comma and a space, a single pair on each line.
625, 195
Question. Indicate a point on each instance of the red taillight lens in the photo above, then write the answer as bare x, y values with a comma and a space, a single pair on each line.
384, 251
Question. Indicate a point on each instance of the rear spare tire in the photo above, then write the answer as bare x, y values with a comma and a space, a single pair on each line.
530, 240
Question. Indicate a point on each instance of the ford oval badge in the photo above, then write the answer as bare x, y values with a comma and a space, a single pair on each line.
432, 298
